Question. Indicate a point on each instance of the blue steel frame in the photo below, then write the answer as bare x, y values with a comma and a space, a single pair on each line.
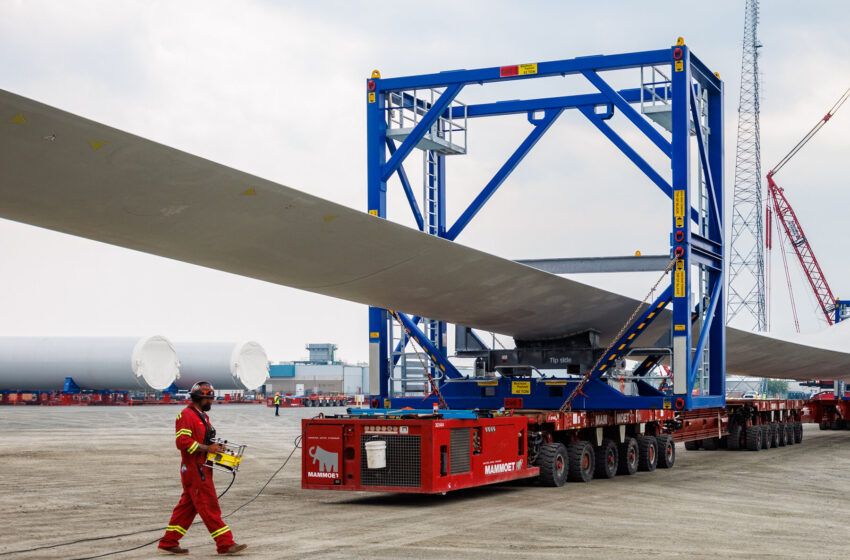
693, 247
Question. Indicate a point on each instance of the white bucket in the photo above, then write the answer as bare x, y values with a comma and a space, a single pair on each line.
376, 454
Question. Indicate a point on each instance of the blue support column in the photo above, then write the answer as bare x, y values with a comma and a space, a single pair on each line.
376, 129
682, 383
717, 334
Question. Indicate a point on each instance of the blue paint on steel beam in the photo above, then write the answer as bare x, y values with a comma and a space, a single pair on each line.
408, 191
385, 412
544, 69
703, 156
703, 335
433, 353
629, 112
539, 129
420, 129
518, 106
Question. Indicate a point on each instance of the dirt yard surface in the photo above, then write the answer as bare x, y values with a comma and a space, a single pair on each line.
76, 472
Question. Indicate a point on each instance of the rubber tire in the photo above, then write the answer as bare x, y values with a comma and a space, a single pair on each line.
774, 435
765, 437
629, 453
789, 433
607, 460
754, 438
581, 461
692, 445
552, 460
648, 446
666, 451
798, 432
734, 439
782, 434
824, 425
711, 444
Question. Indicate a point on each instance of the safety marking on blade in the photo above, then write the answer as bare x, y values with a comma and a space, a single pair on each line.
329, 218
96, 145
250, 192
19, 118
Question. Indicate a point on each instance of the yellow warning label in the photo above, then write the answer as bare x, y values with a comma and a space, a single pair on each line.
679, 280
679, 208
556, 383
373, 212
521, 387
493, 383
680, 65
250, 192
371, 97
526, 69
667, 405
679, 327
387, 403
95, 145
19, 118
374, 335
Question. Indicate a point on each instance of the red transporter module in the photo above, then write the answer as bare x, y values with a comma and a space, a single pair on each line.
421, 455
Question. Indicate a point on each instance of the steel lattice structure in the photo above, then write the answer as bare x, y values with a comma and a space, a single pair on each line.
746, 263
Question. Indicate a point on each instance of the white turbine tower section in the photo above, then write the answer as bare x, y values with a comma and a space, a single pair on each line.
226, 365
746, 265
108, 364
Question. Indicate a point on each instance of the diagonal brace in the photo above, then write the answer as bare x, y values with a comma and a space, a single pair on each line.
420, 129
405, 184
540, 128
435, 355
703, 156
629, 112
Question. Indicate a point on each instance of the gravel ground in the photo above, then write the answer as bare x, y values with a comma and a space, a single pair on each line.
77, 472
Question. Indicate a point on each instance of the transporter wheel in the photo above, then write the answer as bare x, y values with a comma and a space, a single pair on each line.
798, 432
790, 428
607, 460
736, 440
842, 424
648, 446
629, 456
666, 451
711, 444
692, 445
754, 438
581, 461
552, 460
774, 434
782, 434
824, 425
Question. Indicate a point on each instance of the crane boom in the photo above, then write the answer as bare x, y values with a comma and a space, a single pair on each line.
779, 208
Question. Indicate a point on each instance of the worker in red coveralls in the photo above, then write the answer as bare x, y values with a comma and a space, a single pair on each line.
194, 440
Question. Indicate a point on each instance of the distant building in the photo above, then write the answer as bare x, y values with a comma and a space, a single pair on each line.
323, 373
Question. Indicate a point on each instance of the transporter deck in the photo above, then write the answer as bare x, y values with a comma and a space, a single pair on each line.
424, 451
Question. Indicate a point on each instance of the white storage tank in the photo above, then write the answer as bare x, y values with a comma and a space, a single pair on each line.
226, 365
108, 364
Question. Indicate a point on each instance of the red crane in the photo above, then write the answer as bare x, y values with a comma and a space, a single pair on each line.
777, 203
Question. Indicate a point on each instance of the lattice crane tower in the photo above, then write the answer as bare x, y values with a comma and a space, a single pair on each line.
746, 265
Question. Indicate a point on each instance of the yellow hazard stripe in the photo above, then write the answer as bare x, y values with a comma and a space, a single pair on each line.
183, 433
220, 532
177, 528
193, 447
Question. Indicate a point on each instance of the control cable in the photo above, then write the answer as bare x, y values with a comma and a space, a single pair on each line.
297, 445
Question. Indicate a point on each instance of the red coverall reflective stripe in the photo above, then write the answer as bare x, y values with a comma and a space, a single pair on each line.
199, 496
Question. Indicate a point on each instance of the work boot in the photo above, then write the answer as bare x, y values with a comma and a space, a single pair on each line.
175, 550
235, 549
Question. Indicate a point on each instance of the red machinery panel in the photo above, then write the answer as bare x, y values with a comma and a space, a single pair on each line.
322, 452
420, 455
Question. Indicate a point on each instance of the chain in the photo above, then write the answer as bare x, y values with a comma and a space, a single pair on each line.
575, 392
434, 389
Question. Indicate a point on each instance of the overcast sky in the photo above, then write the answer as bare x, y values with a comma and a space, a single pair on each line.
275, 89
